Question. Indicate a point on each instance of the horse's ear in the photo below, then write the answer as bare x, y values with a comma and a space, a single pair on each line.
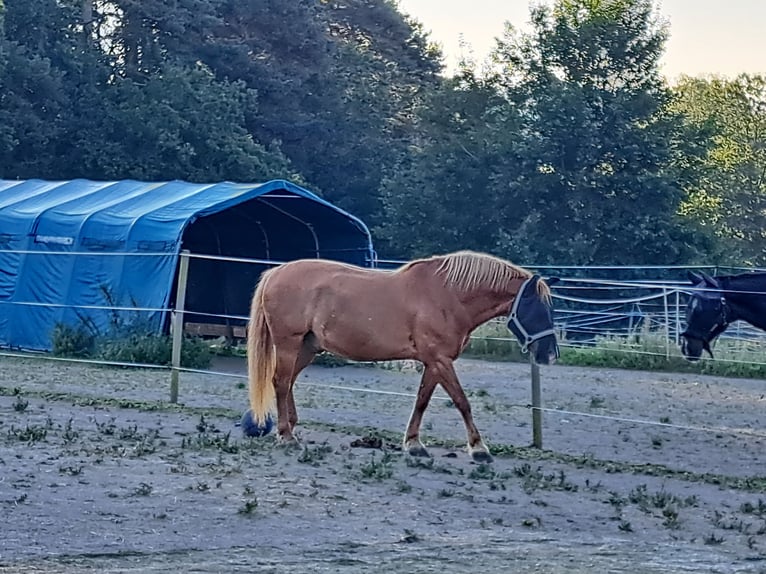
710, 281
552, 281
695, 277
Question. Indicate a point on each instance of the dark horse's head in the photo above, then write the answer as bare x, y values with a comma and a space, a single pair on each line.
531, 320
707, 316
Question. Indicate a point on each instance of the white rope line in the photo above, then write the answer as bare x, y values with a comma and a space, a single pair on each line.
99, 362
666, 288
728, 430
401, 394
607, 301
527, 406
319, 385
233, 259
513, 405
91, 307
216, 315
611, 267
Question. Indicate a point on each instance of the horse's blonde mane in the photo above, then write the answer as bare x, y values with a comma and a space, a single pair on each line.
467, 270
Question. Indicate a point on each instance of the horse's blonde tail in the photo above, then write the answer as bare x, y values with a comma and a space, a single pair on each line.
261, 358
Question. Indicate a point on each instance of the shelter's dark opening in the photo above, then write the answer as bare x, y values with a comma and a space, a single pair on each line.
219, 292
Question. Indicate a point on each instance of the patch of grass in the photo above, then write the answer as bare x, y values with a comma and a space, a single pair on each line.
403, 487
15, 501
410, 536
597, 402
313, 455
69, 435
378, 469
666, 505
200, 486
670, 515
533, 522
713, 540
70, 470
758, 509
625, 526
20, 404
108, 428
215, 441
248, 507
128, 338
482, 472
29, 434
534, 479
143, 489
430, 464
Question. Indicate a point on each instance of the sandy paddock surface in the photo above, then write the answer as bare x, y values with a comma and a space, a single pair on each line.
98, 473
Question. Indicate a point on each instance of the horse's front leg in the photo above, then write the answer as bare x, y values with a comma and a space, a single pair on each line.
448, 378
412, 444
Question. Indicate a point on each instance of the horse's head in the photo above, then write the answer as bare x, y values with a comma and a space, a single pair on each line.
531, 320
706, 316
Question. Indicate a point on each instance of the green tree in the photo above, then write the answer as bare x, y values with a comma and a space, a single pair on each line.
566, 151
179, 123
35, 83
448, 192
335, 83
92, 100
600, 141
729, 202
6, 136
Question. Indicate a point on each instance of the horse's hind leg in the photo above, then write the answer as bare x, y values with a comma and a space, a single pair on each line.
448, 378
307, 353
287, 354
412, 444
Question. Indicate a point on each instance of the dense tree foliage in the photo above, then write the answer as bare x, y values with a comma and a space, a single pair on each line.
568, 148
581, 167
729, 200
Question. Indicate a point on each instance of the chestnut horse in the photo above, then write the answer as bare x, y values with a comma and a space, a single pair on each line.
425, 310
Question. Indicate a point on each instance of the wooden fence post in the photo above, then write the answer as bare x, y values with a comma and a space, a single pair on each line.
537, 413
177, 324
667, 322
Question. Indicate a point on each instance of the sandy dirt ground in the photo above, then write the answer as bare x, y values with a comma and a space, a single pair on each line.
640, 473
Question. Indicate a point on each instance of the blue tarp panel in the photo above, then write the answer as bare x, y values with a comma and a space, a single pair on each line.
68, 247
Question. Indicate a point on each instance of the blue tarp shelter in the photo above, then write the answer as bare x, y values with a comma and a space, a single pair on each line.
68, 249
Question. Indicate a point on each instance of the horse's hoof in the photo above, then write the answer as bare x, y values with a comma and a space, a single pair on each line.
481, 456
417, 450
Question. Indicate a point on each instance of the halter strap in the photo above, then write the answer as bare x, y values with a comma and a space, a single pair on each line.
717, 328
513, 318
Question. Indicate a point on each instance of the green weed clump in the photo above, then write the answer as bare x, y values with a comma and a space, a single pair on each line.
134, 345
128, 337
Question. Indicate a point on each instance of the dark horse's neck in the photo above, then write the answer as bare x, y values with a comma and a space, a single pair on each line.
746, 297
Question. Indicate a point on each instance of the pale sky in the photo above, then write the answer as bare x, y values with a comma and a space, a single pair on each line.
725, 37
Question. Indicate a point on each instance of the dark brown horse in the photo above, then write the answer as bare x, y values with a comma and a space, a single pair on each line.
716, 303
425, 310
